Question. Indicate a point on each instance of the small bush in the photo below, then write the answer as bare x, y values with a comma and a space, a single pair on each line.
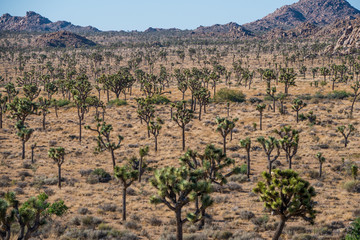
62, 102
108, 207
260, 221
229, 95
246, 215
159, 99
155, 221
132, 225
117, 102
98, 175
338, 95
83, 211
90, 221
352, 186
354, 231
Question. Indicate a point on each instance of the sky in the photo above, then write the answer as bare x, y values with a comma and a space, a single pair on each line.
141, 14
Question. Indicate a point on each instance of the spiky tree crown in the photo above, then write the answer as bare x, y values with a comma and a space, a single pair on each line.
286, 194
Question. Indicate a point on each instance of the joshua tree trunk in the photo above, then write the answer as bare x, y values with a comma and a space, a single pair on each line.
56, 110
59, 181
270, 165
124, 203
200, 112
140, 168
320, 170
290, 161
43, 122
260, 121
79, 128
248, 163
279, 228
156, 148
113, 157
224, 144
274, 105
23, 149
183, 138
179, 232
1, 121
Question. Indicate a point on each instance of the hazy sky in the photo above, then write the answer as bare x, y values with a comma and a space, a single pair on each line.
141, 14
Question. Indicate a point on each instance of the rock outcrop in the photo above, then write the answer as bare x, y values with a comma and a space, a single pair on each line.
63, 39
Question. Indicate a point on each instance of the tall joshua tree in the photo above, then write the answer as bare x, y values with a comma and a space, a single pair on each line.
44, 105
24, 134
182, 117
355, 87
104, 141
203, 97
11, 91
143, 152
268, 75
319, 156
289, 142
128, 174
177, 187
21, 108
58, 155
81, 91
154, 128
271, 92
145, 111
288, 77
298, 104
225, 126
246, 144
346, 136
3, 100
261, 108
31, 91
287, 196
269, 145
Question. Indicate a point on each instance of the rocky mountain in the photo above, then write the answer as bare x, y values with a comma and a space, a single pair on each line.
319, 12
34, 22
230, 30
63, 39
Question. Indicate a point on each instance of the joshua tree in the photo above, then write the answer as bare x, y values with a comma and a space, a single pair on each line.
354, 171
154, 128
177, 187
51, 88
33, 146
224, 127
119, 82
346, 136
142, 152
81, 91
203, 97
355, 87
128, 174
145, 111
282, 98
261, 108
44, 105
268, 75
58, 155
321, 160
288, 77
303, 70
3, 100
24, 134
103, 139
271, 92
289, 142
31, 91
214, 163
11, 91
298, 104
246, 143
269, 145
182, 117
27, 217
287, 195
21, 108
324, 71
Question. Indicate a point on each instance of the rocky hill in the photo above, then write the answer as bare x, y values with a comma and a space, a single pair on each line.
319, 12
34, 22
63, 39
230, 30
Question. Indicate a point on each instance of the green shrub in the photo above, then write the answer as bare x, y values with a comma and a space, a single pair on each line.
352, 186
338, 95
98, 175
243, 169
62, 102
159, 99
354, 231
229, 95
116, 102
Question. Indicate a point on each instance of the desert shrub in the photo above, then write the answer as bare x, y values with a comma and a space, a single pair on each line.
223, 235
241, 178
85, 172
108, 207
229, 95
62, 102
352, 186
354, 231
195, 236
243, 169
90, 221
159, 99
98, 175
246, 215
242, 235
338, 95
116, 102
155, 221
83, 211
260, 221
254, 100
104, 226
75, 221
5, 181
304, 237
233, 186
132, 225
